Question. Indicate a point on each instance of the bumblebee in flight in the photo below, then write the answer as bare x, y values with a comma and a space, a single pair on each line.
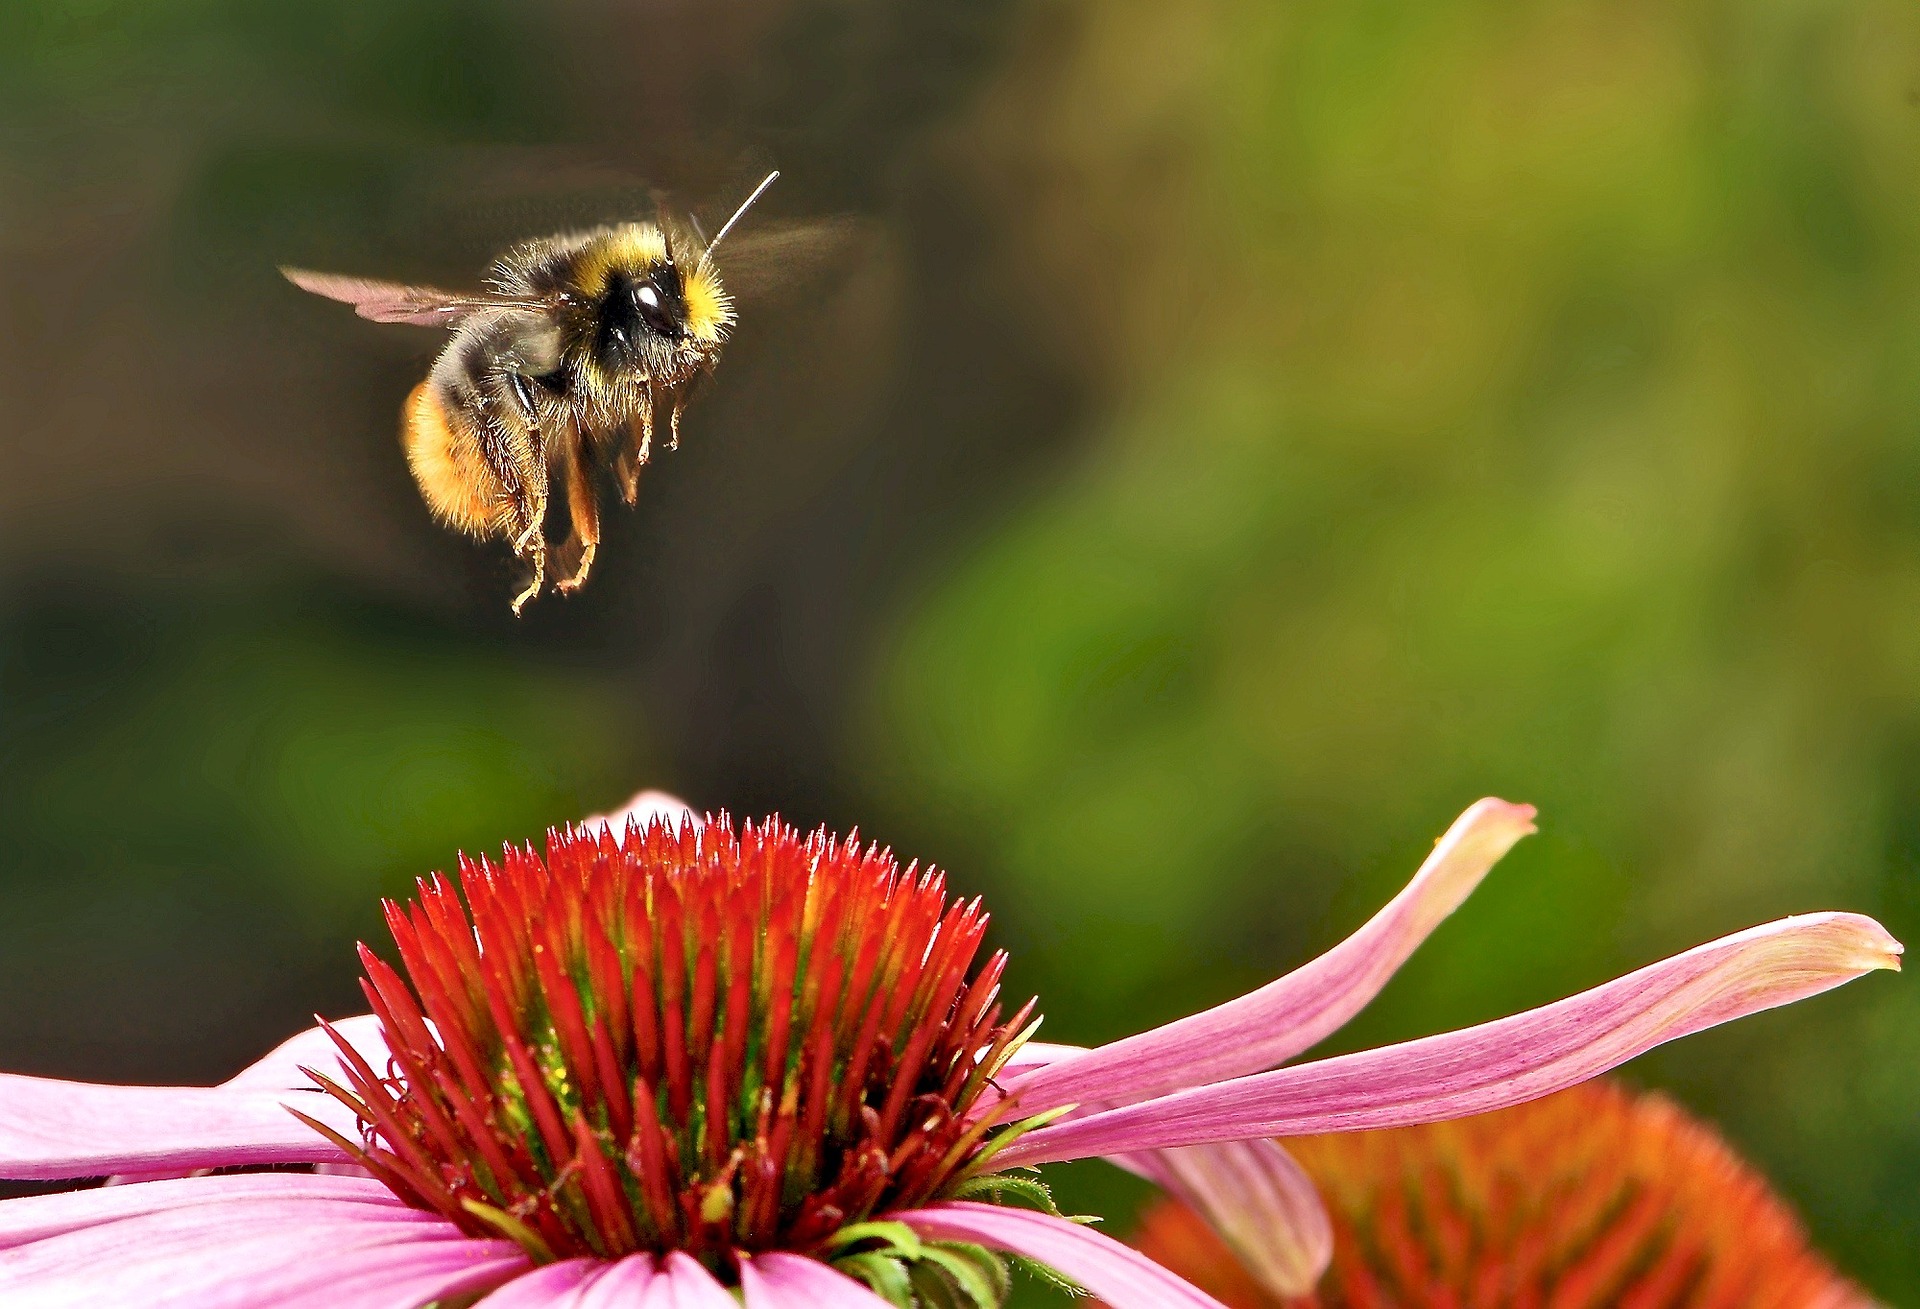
554, 373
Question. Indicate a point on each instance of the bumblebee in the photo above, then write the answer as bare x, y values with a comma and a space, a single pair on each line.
554, 376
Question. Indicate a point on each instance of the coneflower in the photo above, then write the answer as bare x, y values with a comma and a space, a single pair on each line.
1593, 1198
670, 1061
698, 1041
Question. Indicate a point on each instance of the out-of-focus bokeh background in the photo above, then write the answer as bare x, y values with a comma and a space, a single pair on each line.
1235, 438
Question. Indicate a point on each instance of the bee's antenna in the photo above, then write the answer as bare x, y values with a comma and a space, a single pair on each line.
745, 205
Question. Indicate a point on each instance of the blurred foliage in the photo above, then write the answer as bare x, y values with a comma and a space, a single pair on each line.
203, 805
336, 762
1517, 399
1258, 431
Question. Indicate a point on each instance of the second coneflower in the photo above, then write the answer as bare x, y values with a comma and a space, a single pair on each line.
1591, 1198
676, 1061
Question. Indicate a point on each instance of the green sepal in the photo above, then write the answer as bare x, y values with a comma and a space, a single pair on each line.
962, 1264
911, 1273
1047, 1276
895, 1238
932, 1289
975, 1267
1000, 1187
884, 1275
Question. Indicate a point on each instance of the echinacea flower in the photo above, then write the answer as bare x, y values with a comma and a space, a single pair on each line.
1595, 1196
676, 1060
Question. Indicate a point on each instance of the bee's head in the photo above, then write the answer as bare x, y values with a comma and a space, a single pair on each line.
655, 300
649, 306
644, 308
684, 305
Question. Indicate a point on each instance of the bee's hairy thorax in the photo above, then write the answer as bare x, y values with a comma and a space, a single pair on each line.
636, 319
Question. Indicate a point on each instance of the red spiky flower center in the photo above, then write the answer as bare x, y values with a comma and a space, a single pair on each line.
691, 1039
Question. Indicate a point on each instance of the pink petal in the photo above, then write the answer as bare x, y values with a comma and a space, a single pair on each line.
1038, 1054
1499, 1063
550, 1287
1124, 1278
36, 1217
687, 1285
279, 1069
249, 1252
791, 1281
398, 1278
1250, 1192
622, 1283
1273, 1024
1261, 1203
51, 1129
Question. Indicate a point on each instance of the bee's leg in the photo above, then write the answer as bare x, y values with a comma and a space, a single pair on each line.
684, 396
524, 448
630, 482
639, 449
583, 508
568, 585
531, 544
646, 425
537, 581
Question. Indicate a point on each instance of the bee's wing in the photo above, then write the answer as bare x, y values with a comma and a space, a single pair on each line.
764, 261
391, 302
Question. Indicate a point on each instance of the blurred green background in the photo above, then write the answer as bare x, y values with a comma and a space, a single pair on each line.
1239, 436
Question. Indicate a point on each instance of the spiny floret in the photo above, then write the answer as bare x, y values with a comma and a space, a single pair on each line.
691, 1038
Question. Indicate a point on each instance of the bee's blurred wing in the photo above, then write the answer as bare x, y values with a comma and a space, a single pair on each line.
390, 302
765, 261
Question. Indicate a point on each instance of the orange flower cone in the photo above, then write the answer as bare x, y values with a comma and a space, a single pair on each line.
1594, 1198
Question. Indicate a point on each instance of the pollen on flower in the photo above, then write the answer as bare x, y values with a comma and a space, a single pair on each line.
693, 1039
1592, 1197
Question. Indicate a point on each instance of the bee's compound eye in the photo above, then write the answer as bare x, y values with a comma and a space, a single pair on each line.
658, 303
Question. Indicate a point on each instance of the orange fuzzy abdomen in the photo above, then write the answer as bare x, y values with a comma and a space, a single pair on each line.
453, 476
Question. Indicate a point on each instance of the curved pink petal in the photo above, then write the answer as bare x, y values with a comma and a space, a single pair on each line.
1273, 1024
1123, 1277
52, 1129
37, 1217
249, 1251
1252, 1193
1259, 1200
282, 1069
1499, 1063
791, 1281
279, 1069
550, 1287
684, 1284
